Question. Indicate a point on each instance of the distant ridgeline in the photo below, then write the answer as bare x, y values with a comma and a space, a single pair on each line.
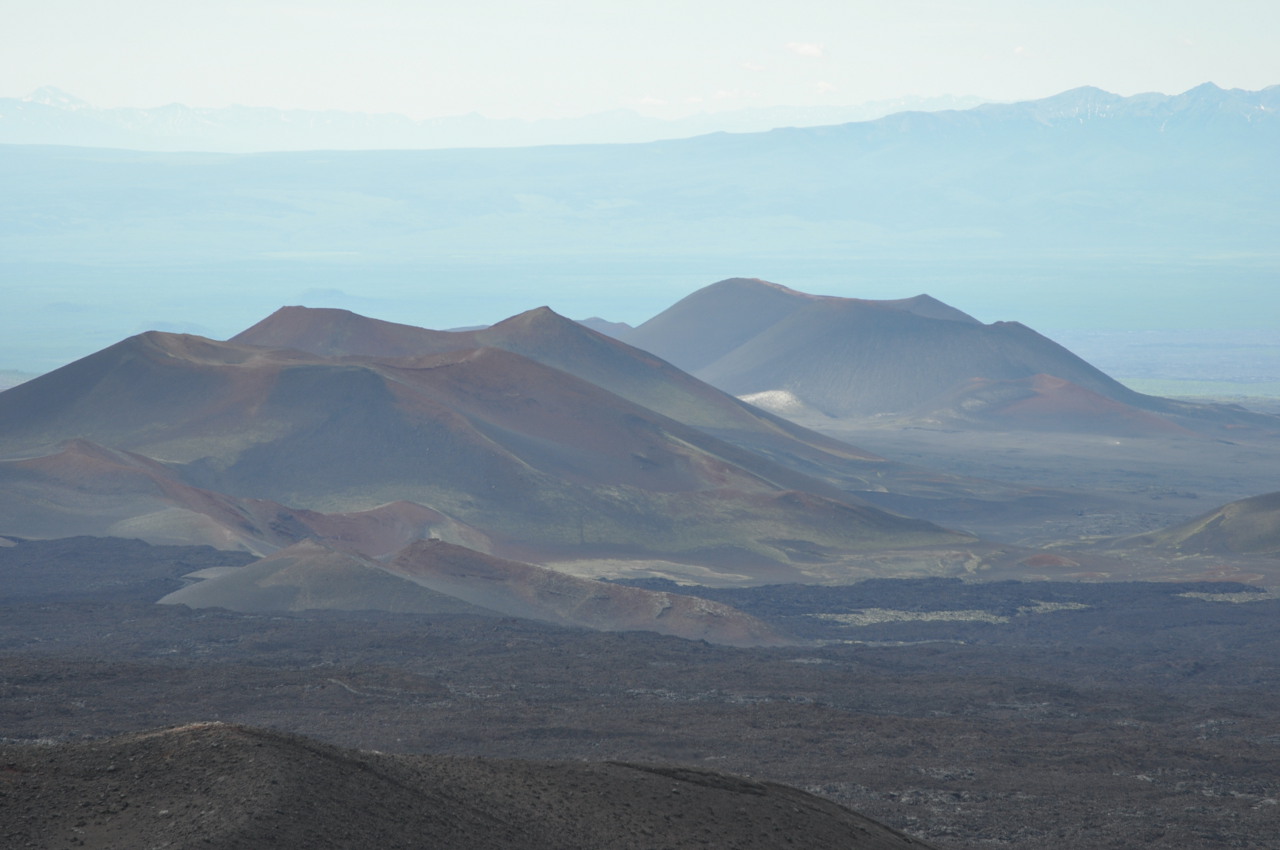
49, 116
1071, 202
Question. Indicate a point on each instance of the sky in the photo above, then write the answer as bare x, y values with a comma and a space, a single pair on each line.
568, 58
564, 58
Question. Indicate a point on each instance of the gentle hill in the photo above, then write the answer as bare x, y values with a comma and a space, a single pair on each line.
219, 785
1046, 403
310, 576
87, 489
525, 590
1249, 526
617, 330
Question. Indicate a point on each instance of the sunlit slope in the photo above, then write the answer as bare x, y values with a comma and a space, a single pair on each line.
88, 489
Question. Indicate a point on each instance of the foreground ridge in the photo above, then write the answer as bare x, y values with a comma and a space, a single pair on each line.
222, 785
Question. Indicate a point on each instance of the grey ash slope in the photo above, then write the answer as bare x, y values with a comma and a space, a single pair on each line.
224, 786
908, 359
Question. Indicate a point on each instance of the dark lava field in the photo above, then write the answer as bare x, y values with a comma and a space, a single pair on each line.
1029, 715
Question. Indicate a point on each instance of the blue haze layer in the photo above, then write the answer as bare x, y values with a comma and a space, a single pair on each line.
1086, 210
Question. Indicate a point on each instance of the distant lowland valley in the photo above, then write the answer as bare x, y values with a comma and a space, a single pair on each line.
761, 566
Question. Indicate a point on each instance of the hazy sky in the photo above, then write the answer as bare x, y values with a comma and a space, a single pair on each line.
507, 58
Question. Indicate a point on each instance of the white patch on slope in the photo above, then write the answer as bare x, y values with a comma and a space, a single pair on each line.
783, 403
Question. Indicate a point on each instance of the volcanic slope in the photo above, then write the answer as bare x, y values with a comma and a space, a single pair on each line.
540, 463
541, 335
1248, 526
224, 786
636, 375
910, 359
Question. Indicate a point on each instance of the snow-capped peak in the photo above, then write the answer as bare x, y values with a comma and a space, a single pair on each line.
52, 96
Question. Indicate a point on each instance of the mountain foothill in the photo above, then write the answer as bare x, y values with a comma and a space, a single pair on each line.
378, 465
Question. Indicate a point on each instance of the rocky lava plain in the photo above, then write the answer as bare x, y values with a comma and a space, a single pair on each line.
1029, 715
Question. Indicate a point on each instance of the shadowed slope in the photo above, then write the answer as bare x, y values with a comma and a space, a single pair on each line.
703, 327
101, 570
223, 786
434, 577
849, 357
87, 489
741, 307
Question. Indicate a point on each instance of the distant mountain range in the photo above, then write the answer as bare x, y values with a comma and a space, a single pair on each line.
1089, 207
49, 116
